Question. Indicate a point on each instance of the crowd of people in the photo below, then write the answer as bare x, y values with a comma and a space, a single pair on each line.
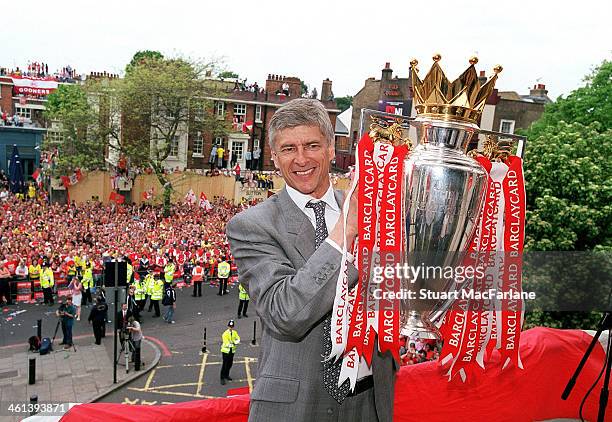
69, 239
416, 350
36, 69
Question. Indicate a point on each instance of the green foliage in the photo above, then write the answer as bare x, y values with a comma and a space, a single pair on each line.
70, 109
303, 88
344, 102
228, 74
587, 104
141, 57
569, 189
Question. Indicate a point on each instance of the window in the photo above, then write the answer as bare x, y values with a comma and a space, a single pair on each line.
506, 126
55, 136
255, 144
198, 146
174, 146
23, 112
258, 113
218, 141
220, 109
237, 148
239, 109
198, 113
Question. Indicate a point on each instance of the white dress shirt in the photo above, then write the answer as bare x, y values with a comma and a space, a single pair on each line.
332, 213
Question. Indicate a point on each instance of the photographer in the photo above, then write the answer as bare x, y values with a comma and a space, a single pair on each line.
135, 331
67, 312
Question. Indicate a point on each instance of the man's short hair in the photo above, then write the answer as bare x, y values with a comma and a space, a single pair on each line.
301, 112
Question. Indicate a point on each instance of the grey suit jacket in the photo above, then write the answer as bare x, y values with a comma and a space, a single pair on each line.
292, 287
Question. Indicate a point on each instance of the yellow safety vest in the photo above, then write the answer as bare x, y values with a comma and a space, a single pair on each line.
31, 192
47, 280
149, 281
230, 339
130, 271
88, 281
158, 290
242, 293
139, 291
223, 269
169, 273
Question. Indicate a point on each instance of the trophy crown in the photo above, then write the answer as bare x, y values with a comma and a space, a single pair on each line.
461, 100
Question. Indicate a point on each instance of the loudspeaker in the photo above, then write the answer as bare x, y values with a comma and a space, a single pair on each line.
109, 274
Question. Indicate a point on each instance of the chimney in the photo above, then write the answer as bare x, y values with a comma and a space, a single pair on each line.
538, 90
482, 77
387, 72
326, 90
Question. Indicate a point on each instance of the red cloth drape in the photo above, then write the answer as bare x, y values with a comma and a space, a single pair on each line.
422, 393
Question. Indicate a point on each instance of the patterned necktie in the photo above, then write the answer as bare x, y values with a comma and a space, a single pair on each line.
331, 369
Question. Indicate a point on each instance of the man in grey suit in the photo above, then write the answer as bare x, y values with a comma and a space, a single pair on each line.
288, 254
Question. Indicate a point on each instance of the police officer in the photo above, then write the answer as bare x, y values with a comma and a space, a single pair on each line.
47, 281
88, 284
223, 272
149, 281
169, 271
130, 269
140, 291
243, 295
229, 340
157, 292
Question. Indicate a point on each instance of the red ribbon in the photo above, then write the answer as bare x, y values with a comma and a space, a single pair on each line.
514, 235
390, 251
368, 188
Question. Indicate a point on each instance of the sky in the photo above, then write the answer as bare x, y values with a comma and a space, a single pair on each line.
539, 41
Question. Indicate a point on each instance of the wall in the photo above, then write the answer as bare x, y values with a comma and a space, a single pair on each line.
98, 184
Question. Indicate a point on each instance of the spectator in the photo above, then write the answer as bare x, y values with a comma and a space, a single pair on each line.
169, 301
97, 317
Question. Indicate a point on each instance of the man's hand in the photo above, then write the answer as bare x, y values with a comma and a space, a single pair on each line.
337, 234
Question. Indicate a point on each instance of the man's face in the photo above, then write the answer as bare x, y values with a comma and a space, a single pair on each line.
303, 156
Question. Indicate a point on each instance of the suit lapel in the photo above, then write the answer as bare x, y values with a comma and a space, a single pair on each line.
297, 225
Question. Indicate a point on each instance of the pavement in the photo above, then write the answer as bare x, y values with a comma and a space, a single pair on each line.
175, 369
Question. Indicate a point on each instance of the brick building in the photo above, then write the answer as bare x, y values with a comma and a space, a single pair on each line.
249, 113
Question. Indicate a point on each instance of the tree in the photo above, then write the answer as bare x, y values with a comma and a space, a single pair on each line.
163, 100
71, 111
228, 74
143, 56
587, 104
344, 102
569, 190
303, 89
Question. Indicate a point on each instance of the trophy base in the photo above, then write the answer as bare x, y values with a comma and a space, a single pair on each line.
416, 327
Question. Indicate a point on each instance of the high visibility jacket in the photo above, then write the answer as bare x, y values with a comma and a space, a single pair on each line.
198, 273
34, 271
47, 279
242, 293
78, 261
223, 269
169, 273
139, 290
71, 270
31, 192
88, 281
130, 272
149, 281
158, 290
230, 339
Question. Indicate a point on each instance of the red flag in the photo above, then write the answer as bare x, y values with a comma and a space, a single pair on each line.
116, 198
65, 180
37, 177
248, 126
